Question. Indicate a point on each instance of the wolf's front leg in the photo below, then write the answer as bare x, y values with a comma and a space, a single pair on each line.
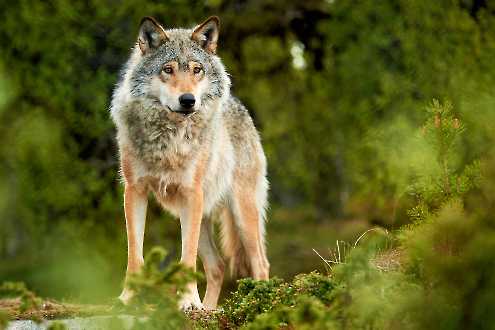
190, 223
135, 205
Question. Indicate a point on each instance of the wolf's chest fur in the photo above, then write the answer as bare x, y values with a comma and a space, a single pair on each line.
160, 139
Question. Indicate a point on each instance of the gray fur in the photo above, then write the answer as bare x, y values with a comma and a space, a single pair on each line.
164, 149
151, 129
182, 49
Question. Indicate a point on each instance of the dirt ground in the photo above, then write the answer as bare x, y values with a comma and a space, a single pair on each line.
49, 310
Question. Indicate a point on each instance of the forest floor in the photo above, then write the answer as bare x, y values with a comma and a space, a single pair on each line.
50, 310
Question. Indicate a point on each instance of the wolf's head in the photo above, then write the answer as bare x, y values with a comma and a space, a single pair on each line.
178, 68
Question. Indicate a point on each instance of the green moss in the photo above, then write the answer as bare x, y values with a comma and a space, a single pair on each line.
253, 298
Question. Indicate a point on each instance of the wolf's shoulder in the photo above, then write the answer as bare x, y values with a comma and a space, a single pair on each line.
238, 121
236, 115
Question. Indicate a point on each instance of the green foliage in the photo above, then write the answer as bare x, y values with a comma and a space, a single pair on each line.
307, 313
314, 285
389, 59
157, 292
444, 282
451, 255
4, 320
444, 180
253, 298
57, 326
151, 284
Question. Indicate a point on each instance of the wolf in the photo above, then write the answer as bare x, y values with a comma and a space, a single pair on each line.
183, 137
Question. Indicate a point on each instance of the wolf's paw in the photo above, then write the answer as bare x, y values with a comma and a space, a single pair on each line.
126, 296
190, 302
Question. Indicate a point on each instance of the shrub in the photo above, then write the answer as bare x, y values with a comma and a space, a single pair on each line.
157, 292
254, 298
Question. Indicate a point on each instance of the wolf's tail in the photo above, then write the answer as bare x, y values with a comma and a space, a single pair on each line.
232, 247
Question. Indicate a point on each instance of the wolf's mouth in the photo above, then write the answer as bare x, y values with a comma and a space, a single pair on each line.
182, 111
186, 111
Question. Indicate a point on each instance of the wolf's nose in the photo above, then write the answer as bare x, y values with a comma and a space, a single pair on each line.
187, 100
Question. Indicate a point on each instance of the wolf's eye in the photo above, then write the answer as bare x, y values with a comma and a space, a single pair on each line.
168, 70
197, 70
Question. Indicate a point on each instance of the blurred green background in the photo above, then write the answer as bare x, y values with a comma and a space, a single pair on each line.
337, 89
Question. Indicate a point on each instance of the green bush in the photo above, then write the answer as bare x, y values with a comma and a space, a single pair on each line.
157, 292
307, 313
254, 298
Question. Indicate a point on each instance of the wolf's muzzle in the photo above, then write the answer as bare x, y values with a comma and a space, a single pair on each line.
187, 100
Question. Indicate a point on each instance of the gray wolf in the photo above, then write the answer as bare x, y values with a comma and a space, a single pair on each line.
185, 138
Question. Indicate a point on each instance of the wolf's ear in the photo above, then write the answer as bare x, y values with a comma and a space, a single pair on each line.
206, 34
151, 35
